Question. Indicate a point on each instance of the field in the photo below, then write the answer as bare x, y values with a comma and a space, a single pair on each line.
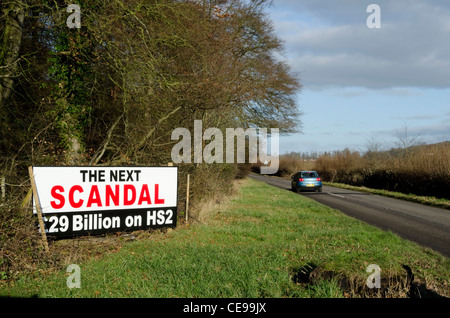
262, 242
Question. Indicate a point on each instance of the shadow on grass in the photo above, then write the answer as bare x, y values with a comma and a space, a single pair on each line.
390, 287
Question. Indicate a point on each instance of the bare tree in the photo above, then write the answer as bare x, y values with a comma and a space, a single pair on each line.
405, 140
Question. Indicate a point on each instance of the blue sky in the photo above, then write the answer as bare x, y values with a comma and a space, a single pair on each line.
363, 84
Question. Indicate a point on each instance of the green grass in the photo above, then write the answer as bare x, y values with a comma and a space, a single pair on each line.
249, 247
432, 201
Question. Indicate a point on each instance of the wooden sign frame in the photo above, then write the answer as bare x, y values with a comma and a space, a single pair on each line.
38, 208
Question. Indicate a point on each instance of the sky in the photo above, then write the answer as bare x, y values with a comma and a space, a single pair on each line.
361, 84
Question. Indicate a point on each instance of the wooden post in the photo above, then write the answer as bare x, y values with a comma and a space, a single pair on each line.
187, 199
38, 208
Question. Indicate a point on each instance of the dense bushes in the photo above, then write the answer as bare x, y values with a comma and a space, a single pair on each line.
421, 170
288, 164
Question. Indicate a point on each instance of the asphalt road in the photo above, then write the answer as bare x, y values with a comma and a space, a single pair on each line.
425, 225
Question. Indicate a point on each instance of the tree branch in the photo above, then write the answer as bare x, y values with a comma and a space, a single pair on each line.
97, 156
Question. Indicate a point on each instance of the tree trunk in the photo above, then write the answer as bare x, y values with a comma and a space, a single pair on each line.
71, 137
10, 45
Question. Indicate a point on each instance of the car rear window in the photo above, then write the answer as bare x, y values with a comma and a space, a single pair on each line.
311, 174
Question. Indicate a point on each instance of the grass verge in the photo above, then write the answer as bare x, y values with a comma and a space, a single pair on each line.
256, 245
432, 201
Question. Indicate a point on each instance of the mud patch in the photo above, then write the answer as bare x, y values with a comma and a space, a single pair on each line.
398, 286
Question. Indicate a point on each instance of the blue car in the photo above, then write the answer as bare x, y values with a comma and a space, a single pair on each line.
306, 181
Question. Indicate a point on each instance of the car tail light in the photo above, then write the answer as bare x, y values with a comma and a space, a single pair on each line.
300, 180
318, 179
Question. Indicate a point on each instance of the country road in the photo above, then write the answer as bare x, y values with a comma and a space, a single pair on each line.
425, 225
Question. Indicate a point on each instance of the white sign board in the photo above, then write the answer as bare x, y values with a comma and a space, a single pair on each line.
93, 200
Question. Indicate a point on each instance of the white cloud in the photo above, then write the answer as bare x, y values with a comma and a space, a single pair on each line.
412, 48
